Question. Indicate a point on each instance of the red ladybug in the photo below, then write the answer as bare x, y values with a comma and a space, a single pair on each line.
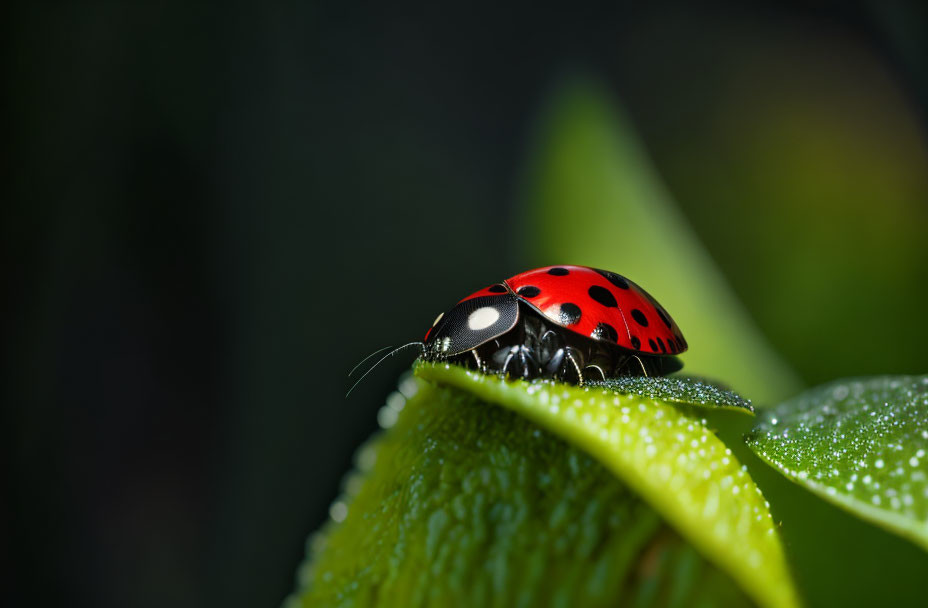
570, 323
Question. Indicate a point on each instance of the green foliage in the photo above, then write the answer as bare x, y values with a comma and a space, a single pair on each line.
682, 390
862, 444
559, 497
668, 457
470, 505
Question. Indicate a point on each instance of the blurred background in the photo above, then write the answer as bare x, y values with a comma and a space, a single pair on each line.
213, 212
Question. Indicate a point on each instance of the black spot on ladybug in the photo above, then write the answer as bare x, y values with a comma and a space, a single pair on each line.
559, 272
660, 344
671, 346
603, 296
569, 313
652, 345
529, 291
604, 331
639, 318
663, 316
636, 342
617, 280
497, 288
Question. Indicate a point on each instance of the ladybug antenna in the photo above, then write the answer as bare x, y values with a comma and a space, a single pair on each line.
389, 354
367, 358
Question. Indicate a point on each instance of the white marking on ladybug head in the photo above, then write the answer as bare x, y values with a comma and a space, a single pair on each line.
438, 318
482, 318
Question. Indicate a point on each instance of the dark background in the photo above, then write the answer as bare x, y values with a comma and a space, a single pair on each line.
213, 212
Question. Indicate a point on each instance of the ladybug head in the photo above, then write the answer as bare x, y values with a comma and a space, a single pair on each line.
469, 324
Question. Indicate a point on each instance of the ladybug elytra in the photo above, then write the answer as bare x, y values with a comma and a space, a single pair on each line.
569, 323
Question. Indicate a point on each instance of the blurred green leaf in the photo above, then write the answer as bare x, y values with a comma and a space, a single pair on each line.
806, 176
593, 198
463, 503
861, 444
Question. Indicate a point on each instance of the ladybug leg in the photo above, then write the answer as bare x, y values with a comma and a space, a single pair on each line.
565, 364
553, 354
509, 354
573, 360
559, 360
644, 369
477, 360
527, 362
516, 361
503, 359
593, 366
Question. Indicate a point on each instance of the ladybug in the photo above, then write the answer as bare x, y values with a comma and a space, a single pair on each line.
569, 323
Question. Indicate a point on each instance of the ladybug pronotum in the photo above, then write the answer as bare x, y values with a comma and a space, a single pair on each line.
569, 323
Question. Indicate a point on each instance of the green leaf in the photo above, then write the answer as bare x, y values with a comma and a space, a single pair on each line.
861, 444
592, 197
462, 503
668, 457
680, 389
